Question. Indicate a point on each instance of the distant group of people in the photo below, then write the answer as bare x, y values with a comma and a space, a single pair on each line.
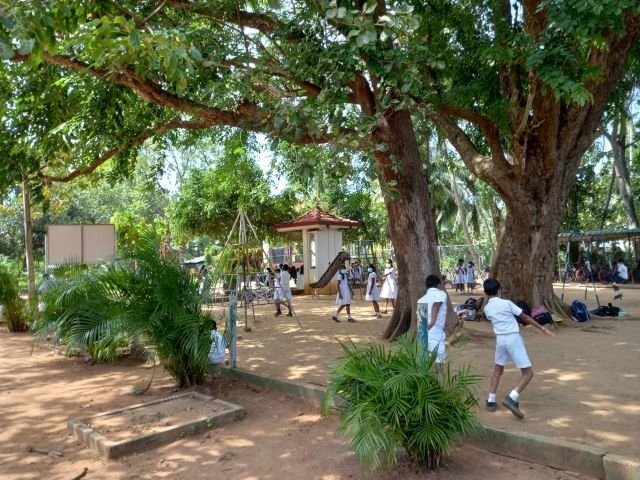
388, 290
464, 277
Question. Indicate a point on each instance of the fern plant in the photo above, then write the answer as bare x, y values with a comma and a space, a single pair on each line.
14, 307
389, 399
139, 296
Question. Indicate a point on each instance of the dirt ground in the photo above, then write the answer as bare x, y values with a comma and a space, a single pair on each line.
587, 377
280, 438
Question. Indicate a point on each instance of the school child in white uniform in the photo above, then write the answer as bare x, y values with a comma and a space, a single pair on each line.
344, 296
389, 289
509, 344
282, 292
621, 275
373, 295
470, 277
432, 316
460, 277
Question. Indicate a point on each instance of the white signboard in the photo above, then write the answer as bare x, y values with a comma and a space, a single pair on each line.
85, 244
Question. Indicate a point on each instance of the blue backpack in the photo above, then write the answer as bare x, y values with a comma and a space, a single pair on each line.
579, 311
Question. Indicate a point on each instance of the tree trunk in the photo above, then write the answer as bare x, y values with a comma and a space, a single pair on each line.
28, 239
462, 217
618, 140
525, 260
411, 224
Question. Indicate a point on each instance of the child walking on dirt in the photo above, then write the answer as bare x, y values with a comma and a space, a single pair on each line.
345, 294
460, 276
373, 295
282, 292
389, 289
509, 344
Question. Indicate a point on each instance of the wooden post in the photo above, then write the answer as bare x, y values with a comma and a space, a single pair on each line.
233, 320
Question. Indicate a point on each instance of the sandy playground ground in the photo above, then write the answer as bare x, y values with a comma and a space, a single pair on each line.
587, 383
585, 390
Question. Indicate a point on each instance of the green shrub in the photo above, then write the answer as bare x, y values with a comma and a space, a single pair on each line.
392, 399
139, 296
14, 307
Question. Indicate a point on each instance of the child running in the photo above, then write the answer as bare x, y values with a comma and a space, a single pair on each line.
509, 344
345, 294
432, 316
373, 295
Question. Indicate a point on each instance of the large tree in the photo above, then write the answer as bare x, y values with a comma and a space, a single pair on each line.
352, 73
307, 72
523, 105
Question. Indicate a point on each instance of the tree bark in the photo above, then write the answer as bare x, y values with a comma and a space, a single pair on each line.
411, 226
618, 140
462, 217
28, 238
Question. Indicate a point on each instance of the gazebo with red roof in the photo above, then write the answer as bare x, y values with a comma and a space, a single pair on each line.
321, 242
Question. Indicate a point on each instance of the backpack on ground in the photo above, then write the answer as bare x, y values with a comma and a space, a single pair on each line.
579, 311
541, 315
545, 319
606, 311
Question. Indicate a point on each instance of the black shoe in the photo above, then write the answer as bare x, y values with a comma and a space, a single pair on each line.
513, 406
351, 320
278, 313
618, 297
335, 319
290, 314
491, 406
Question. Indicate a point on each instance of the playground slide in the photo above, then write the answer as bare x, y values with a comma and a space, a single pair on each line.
334, 266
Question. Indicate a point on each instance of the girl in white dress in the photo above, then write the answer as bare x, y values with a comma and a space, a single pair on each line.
390, 286
372, 289
461, 277
345, 294
470, 277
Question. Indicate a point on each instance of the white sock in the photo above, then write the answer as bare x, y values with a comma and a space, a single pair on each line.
514, 395
492, 398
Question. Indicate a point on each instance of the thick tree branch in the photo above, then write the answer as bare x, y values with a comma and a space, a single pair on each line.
486, 168
488, 127
611, 62
246, 115
258, 21
362, 94
131, 143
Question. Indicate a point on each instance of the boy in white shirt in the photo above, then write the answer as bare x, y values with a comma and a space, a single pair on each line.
621, 275
282, 293
432, 316
509, 344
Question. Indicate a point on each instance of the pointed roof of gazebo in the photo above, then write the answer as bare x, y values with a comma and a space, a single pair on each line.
316, 218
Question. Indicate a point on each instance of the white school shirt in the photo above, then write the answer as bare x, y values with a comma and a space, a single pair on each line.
623, 271
501, 314
434, 295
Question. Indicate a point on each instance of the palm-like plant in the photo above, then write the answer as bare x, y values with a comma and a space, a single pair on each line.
141, 295
14, 307
393, 398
